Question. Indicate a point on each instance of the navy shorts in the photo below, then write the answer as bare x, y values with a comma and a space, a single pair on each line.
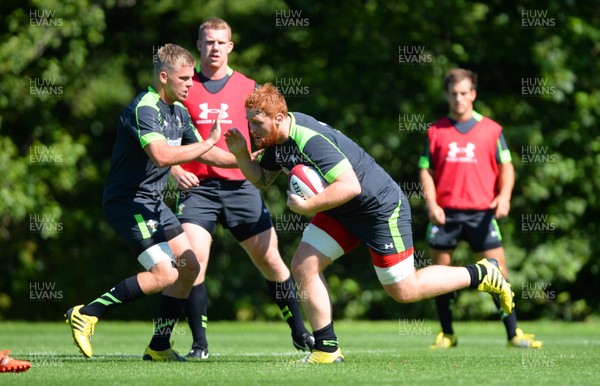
236, 205
142, 223
479, 228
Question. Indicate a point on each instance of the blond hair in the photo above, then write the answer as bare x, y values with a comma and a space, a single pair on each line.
213, 23
172, 57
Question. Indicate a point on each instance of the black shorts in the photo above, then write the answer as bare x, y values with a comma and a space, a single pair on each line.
477, 227
236, 205
142, 223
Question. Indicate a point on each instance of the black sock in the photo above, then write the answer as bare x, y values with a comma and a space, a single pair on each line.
170, 309
443, 304
195, 310
325, 339
477, 272
286, 297
124, 292
510, 320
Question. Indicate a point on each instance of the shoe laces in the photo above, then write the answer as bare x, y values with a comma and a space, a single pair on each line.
88, 325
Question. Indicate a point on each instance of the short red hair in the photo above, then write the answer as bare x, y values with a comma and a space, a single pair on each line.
267, 99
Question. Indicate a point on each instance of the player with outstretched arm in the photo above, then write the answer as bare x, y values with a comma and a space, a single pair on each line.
154, 133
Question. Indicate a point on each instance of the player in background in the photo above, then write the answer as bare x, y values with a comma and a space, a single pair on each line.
362, 203
467, 178
212, 195
12, 365
154, 133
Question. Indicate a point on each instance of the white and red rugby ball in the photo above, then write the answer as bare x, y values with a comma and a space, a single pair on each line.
305, 181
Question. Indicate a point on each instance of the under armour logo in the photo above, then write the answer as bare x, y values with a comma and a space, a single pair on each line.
388, 246
206, 110
455, 150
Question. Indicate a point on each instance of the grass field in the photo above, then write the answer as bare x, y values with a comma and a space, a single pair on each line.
377, 353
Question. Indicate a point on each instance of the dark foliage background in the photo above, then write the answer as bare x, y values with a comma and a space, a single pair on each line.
69, 67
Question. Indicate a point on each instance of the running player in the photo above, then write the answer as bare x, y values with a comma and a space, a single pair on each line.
467, 178
362, 203
154, 132
213, 195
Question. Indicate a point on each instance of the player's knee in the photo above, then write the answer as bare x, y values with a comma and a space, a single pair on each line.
188, 266
159, 261
295, 267
304, 268
402, 298
163, 275
168, 277
399, 294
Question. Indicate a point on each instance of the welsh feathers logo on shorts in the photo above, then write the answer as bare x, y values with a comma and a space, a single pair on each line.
180, 209
433, 231
152, 225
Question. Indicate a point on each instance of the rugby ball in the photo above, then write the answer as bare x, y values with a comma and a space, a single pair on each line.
305, 181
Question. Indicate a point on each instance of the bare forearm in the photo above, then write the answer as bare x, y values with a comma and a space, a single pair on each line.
251, 170
334, 195
506, 180
219, 158
163, 155
428, 186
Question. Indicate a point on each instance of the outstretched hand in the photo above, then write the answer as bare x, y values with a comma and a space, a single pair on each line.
215, 131
236, 143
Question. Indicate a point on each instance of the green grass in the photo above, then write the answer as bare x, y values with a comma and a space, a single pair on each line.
256, 353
